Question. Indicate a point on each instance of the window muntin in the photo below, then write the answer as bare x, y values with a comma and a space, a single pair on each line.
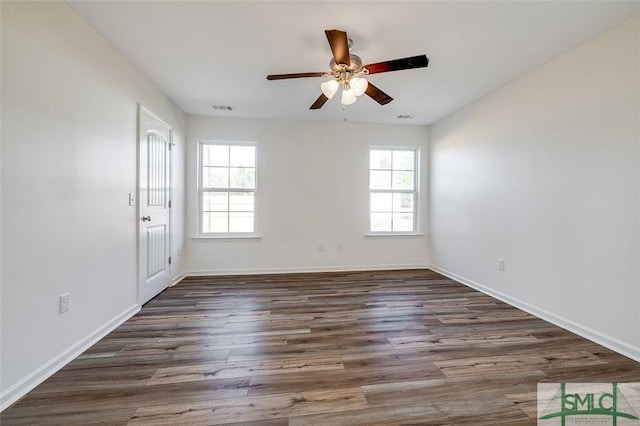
227, 187
393, 190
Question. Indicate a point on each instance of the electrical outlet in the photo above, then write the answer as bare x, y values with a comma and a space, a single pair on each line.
339, 246
500, 264
65, 300
320, 247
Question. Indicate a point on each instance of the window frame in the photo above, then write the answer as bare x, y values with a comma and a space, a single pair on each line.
416, 190
202, 190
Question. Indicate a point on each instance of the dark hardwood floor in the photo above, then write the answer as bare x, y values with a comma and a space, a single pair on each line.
361, 348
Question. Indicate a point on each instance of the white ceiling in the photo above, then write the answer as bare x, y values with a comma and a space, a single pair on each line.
204, 53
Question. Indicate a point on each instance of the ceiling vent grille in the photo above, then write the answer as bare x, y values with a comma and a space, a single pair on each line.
223, 108
405, 117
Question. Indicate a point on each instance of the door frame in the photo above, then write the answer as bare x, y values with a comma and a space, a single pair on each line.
141, 110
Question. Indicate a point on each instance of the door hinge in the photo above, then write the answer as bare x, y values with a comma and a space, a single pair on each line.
169, 260
169, 203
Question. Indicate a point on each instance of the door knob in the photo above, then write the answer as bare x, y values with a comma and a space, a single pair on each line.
146, 218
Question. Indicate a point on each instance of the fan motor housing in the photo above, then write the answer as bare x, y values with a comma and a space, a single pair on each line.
356, 64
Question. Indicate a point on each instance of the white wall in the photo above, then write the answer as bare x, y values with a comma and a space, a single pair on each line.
69, 108
545, 173
312, 189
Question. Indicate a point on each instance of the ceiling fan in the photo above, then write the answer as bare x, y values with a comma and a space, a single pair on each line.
346, 71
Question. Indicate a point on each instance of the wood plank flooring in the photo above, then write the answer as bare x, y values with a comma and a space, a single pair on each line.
361, 348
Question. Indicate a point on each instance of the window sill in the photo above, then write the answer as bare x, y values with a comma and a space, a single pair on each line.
393, 234
228, 237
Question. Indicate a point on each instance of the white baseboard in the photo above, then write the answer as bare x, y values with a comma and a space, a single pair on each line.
303, 269
20, 388
612, 343
177, 279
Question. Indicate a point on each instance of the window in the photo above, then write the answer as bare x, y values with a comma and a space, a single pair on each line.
227, 187
393, 190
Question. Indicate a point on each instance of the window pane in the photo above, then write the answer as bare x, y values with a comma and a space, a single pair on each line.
402, 180
381, 202
379, 179
241, 201
380, 222
240, 222
219, 201
215, 201
215, 177
242, 177
402, 202
215, 222
403, 222
215, 155
403, 160
380, 159
243, 156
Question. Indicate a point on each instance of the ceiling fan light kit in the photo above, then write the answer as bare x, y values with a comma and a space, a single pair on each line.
346, 76
346, 71
351, 89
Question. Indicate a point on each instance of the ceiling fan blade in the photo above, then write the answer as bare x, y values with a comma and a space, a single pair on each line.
319, 102
339, 46
378, 95
297, 75
419, 61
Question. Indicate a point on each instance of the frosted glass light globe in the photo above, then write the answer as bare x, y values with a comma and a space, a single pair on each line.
348, 97
329, 88
358, 85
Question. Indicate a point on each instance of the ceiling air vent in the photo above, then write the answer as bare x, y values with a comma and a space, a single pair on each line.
223, 107
405, 117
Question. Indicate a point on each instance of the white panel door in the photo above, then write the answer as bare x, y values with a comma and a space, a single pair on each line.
154, 205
